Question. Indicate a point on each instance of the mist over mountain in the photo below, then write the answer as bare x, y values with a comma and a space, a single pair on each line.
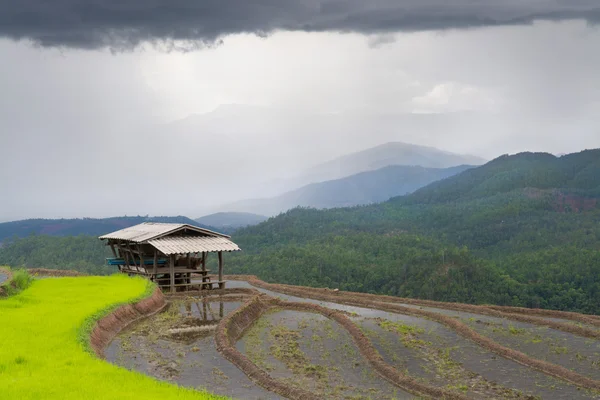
521, 230
81, 226
227, 221
392, 153
362, 188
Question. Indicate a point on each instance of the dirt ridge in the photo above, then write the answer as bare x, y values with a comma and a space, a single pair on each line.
356, 299
231, 329
528, 315
368, 351
109, 326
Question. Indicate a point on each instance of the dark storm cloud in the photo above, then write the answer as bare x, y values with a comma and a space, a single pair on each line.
127, 23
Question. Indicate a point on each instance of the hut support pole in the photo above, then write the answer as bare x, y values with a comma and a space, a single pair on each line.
141, 259
221, 284
155, 262
112, 247
172, 272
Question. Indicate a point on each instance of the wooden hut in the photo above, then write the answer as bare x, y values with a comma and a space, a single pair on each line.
172, 255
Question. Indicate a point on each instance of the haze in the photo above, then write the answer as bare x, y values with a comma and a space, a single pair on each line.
115, 118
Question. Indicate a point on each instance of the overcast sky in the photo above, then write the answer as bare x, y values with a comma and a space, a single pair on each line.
171, 107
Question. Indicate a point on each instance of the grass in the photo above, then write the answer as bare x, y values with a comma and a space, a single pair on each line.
43, 343
19, 281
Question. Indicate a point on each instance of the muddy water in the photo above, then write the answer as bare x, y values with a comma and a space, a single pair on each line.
308, 350
471, 356
187, 360
468, 315
570, 351
574, 352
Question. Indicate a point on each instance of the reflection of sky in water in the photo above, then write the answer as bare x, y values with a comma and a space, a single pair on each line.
490, 366
3, 277
198, 364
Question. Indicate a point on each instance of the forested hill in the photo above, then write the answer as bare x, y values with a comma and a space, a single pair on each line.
520, 230
575, 173
83, 226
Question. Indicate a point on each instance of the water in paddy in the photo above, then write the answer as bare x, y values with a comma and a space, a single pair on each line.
187, 359
472, 357
3, 277
468, 315
309, 351
573, 352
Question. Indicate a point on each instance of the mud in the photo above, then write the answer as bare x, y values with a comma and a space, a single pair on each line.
108, 327
550, 318
369, 301
232, 328
178, 346
309, 351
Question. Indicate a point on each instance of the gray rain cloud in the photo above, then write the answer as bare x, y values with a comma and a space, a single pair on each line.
126, 24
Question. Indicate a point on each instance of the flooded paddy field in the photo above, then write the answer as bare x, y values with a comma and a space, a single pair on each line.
436, 355
571, 351
303, 349
3, 277
470, 315
448, 360
178, 345
309, 351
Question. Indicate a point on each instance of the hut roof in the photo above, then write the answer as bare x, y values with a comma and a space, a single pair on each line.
175, 238
185, 244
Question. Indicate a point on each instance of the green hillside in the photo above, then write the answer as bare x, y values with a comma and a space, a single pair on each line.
521, 230
80, 226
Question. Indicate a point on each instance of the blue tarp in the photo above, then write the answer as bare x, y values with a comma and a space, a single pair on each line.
121, 261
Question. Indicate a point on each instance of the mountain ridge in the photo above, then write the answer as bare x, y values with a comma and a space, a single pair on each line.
383, 155
521, 230
81, 226
363, 188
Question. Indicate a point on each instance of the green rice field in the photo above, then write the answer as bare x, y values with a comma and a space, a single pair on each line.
43, 343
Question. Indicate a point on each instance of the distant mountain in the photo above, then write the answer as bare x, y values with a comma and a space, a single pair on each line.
83, 226
521, 230
231, 220
363, 188
393, 153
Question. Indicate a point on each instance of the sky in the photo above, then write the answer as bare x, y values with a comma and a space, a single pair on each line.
174, 107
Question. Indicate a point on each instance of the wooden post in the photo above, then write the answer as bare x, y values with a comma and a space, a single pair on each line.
172, 272
155, 262
127, 260
112, 247
141, 257
221, 285
204, 254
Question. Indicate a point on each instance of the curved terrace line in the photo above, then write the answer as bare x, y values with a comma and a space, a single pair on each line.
232, 328
359, 300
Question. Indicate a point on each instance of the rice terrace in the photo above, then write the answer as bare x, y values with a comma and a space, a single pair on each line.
161, 329
300, 199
